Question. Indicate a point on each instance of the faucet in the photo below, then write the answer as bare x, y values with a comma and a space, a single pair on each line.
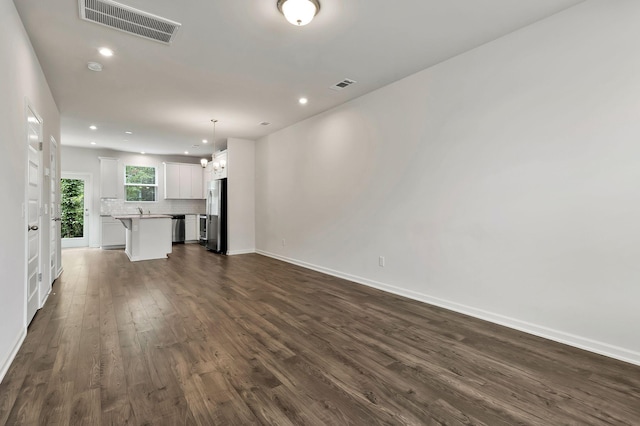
140, 210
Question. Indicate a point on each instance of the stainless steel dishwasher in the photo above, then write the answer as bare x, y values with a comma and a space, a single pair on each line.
177, 229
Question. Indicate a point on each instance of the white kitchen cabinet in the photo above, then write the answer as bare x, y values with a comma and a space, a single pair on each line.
207, 176
112, 233
147, 236
190, 227
196, 181
220, 165
109, 177
182, 181
216, 169
171, 180
185, 181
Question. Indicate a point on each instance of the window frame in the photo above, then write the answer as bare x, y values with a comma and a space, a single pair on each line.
154, 186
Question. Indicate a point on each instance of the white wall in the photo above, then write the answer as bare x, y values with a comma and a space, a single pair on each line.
503, 183
86, 160
21, 79
241, 196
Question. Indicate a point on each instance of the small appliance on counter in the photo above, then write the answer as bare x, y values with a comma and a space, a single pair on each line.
216, 227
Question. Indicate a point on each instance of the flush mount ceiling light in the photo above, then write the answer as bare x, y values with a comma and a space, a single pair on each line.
105, 51
299, 12
94, 66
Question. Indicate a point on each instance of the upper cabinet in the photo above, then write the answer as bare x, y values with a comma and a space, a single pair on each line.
109, 177
196, 181
171, 180
216, 169
219, 166
182, 181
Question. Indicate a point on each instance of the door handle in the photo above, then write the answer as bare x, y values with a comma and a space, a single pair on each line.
32, 228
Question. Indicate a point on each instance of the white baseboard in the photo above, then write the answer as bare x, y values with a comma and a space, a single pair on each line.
12, 355
580, 342
46, 297
245, 251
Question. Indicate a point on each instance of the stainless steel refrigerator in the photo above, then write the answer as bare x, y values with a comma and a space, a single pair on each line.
217, 216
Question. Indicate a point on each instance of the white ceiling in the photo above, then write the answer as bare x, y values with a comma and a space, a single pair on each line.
241, 62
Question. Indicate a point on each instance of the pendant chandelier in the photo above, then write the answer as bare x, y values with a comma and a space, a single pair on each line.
213, 156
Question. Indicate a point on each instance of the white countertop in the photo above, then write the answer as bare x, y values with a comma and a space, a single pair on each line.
142, 216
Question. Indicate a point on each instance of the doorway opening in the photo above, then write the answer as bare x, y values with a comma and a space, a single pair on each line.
74, 209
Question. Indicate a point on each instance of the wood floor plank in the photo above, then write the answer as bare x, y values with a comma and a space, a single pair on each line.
85, 408
203, 339
56, 409
28, 404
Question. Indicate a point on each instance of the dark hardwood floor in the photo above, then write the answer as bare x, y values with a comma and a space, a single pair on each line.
213, 340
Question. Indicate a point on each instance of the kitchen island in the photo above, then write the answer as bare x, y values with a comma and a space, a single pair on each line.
148, 236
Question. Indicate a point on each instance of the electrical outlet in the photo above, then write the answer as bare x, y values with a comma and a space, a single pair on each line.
284, 242
381, 261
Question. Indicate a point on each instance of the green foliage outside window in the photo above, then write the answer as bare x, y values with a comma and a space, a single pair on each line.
72, 204
140, 183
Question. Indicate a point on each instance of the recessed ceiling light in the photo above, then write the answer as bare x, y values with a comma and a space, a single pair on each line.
128, 132
186, 152
92, 127
303, 101
94, 66
105, 51
205, 141
93, 143
142, 152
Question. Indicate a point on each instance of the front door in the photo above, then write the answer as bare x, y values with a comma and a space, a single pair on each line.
75, 199
34, 144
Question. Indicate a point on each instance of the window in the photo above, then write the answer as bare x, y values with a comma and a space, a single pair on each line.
140, 183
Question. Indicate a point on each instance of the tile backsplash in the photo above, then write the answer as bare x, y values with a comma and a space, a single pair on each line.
118, 206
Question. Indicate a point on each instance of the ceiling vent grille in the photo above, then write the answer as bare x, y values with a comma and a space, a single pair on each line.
342, 84
129, 20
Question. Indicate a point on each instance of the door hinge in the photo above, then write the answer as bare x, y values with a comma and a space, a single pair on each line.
40, 276
40, 146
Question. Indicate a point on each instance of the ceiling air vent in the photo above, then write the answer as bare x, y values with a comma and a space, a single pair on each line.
129, 20
342, 84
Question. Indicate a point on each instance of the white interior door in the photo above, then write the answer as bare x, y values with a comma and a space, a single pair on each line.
55, 211
34, 145
75, 196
